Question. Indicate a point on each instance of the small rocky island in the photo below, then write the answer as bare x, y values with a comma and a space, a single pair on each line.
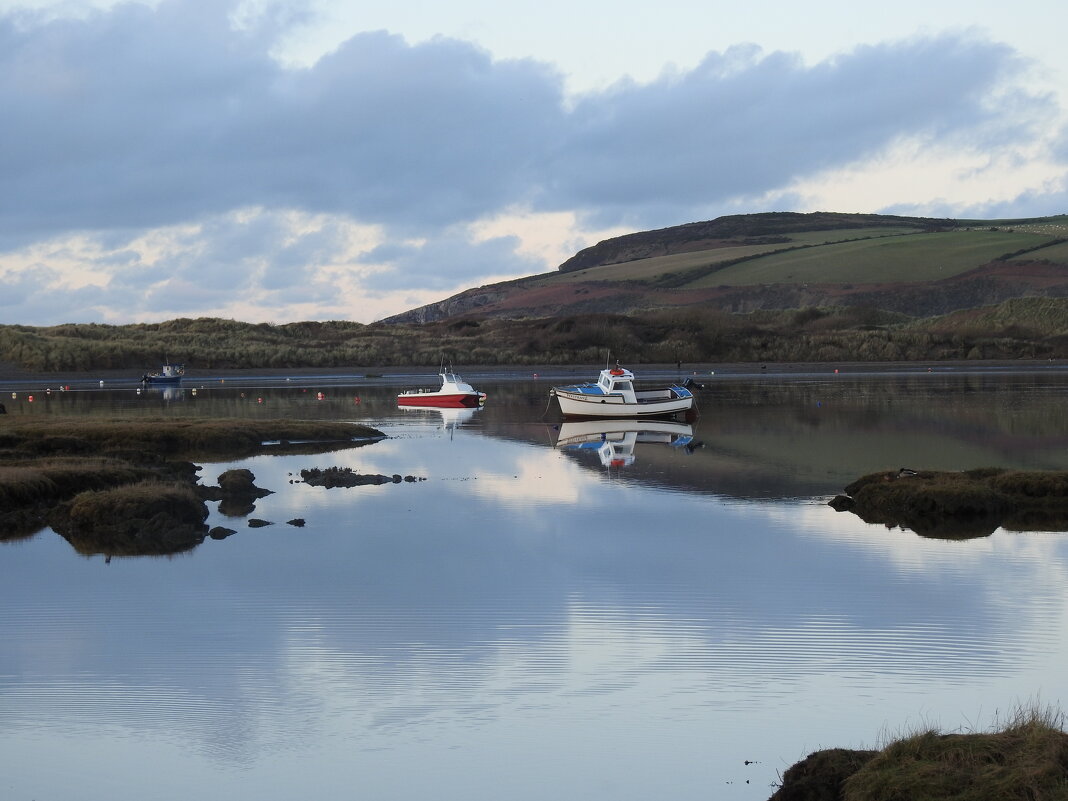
959, 505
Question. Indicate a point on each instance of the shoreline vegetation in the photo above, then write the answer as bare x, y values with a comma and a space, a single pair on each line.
124, 487
1023, 759
1023, 328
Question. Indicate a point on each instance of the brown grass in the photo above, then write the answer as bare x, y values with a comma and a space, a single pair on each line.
147, 518
1026, 759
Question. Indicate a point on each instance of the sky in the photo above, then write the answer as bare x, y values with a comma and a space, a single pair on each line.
328, 160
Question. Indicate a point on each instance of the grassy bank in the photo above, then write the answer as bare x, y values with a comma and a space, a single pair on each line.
1024, 760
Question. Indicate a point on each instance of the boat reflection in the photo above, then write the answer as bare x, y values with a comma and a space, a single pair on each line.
614, 441
168, 392
448, 417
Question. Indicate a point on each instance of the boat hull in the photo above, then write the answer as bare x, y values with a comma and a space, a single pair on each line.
163, 380
448, 401
577, 404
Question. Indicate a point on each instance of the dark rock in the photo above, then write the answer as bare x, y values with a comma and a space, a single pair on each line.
234, 482
296, 521
236, 493
819, 776
255, 522
841, 503
346, 477
220, 533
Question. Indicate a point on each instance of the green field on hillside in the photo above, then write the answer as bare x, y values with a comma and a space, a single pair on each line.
1057, 253
652, 268
912, 257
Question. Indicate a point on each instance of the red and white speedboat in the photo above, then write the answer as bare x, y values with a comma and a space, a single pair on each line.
453, 392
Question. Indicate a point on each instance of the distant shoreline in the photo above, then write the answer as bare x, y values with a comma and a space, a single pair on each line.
14, 377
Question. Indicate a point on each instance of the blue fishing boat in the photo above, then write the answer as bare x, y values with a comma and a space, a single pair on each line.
168, 374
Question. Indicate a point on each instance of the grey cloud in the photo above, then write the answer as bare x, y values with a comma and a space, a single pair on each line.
446, 262
742, 123
140, 117
29, 296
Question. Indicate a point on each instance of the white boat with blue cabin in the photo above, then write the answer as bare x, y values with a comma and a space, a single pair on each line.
614, 395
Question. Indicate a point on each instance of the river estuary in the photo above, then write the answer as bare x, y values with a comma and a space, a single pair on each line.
552, 611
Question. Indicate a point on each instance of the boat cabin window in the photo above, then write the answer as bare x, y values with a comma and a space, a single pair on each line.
622, 386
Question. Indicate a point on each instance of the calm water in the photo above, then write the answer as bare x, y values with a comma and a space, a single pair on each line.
548, 614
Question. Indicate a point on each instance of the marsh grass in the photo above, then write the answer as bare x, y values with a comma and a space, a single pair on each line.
146, 518
1025, 759
1022, 758
112, 486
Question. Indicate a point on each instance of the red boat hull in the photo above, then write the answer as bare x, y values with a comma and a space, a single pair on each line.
454, 401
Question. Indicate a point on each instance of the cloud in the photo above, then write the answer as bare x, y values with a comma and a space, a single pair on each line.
743, 122
176, 144
143, 117
446, 261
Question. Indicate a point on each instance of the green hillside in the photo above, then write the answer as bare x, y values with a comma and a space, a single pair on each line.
909, 257
656, 268
1056, 253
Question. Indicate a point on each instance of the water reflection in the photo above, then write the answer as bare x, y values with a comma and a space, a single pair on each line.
615, 441
448, 419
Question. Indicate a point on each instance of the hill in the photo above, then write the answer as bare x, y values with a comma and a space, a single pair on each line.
751, 288
744, 263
